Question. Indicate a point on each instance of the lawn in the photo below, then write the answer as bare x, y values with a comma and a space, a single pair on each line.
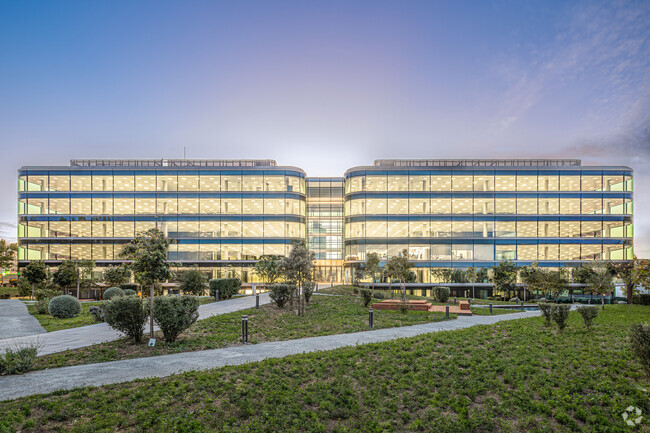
510, 377
325, 315
54, 324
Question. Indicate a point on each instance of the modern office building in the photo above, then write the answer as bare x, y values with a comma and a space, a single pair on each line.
224, 214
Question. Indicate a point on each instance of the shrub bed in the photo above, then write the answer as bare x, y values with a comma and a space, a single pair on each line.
111, 292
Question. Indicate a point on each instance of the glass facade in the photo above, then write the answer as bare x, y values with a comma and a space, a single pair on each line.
225, 215
461, 217
215, 217
325, 226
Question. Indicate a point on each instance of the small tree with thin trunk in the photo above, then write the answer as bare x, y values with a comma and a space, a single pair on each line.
633, 273
372, 266
470, 274
268, 269
600, 279
504, 277
7, 253
399, 267
148, 256
297, 269
116, 275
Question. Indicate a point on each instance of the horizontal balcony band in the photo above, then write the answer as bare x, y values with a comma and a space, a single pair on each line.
486, 241
490, 217
477, 194
121, 241
487, 171
165, 218
461, 264
166, 194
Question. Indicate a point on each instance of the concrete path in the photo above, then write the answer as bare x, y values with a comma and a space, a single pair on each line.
15, 320
46, 381
74, 338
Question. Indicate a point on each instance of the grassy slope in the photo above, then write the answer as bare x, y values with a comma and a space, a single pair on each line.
511, 377
325, 315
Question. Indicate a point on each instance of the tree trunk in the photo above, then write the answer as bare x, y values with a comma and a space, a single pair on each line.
151, 311
403, 287
629, 289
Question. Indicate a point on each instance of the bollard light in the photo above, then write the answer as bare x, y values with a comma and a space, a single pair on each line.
490, 307
244, 329
257, 300
216, 294
522, 305
447, 311
371, 319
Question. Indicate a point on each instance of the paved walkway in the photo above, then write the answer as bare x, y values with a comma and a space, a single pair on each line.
46, 381
74, 338
15, 320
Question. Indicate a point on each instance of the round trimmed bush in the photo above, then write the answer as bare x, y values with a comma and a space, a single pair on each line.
111, 292
129, 292
64, 307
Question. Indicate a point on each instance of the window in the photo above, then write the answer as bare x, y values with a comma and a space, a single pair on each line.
548, 183
167, 182
527, 182
80, 182
548, 229
419, 183
527, 252
505, 252
483, 182
398, 182
462, 182
505, 205
527, 229
418, 206
440, 183
375, 182
145, 182
398, 206
441, 206
398, 229
505, 182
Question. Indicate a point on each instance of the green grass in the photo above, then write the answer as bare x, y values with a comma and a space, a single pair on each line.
325, 315
510, 377
54, 324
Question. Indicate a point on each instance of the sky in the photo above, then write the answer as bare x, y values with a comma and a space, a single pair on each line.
325, 86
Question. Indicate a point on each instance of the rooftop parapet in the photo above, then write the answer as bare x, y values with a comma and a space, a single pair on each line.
477, 163
173, 163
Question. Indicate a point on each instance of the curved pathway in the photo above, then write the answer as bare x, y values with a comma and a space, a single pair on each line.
15, 320
74, 338
46, 381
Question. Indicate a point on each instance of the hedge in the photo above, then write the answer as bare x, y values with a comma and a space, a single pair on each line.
227, 287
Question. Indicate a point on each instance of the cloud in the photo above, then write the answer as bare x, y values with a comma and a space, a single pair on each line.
601, 49
8, 231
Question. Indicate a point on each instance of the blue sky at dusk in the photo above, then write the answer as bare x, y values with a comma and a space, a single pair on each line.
325, 85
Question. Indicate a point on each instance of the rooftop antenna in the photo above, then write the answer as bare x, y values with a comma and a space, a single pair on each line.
184, 153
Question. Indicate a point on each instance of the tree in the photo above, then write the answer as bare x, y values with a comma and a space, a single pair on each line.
116, 275
66, 275
442, 274
482, 275
85, 272
632, 273
268, 269
471, 275
148, 255
504, 277
297, 269
193, 281
373, 266
600, 279
544, 281
7, 253
399, 267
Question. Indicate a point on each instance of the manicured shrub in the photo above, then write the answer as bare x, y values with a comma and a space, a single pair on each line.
441, 293
174, 314
18, 360
545, 309
280, 293
355, 290
515, 299
379, 295
308, 288
97, 313
227, 287
42, 306
131, 286
64, 307
111, 292
588, 314
130, 292
644, 299
640, 344
367, 296
560, 315
126, 314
